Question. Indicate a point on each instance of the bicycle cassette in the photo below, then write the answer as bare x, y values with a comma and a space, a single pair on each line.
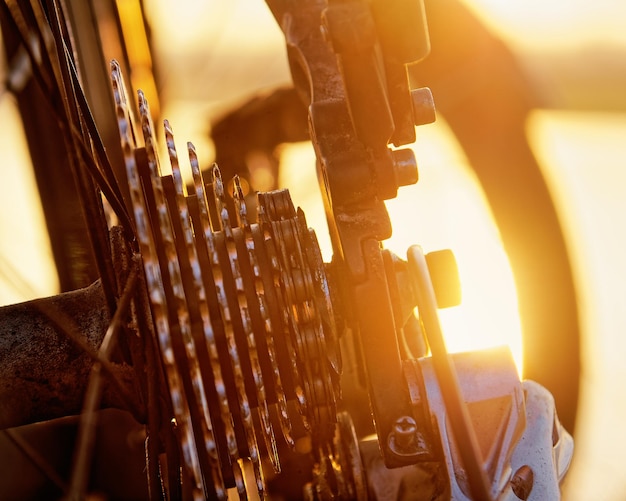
240, 309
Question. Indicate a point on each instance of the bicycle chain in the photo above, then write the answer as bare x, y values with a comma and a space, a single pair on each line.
240, 311
297, 254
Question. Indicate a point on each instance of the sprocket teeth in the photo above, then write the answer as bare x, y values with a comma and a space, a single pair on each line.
237, 310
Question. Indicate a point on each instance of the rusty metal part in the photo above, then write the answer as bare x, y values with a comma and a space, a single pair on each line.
47, 348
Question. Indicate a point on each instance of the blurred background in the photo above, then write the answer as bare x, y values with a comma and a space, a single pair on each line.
212, 56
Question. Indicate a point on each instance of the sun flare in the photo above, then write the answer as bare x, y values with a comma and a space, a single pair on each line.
445, 209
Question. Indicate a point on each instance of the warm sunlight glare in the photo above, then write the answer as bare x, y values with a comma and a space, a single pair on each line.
583, 157
445, 209
554, 25
26, 267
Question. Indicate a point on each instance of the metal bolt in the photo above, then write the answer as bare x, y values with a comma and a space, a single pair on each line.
522, 482
405, 167
423, 106
402, 439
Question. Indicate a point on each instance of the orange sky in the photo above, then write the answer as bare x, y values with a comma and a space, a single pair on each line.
556, 24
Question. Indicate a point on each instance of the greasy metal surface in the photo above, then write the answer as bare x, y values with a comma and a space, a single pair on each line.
43, 370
